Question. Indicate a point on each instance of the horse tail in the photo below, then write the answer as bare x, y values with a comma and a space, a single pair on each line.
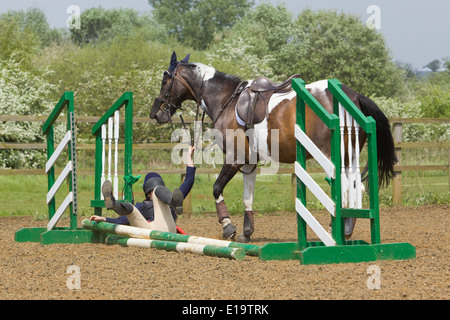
385, 141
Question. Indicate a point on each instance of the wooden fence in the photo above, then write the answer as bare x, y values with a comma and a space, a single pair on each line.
397, 125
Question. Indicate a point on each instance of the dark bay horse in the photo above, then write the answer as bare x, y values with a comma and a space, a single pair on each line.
217, 94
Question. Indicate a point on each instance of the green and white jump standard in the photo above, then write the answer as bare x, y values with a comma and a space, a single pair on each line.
141, 233
52, 234
109, 123
346, 188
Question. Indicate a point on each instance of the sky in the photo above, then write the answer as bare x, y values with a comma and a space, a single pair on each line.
416, 31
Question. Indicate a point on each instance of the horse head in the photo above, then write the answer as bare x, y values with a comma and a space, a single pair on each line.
174, 90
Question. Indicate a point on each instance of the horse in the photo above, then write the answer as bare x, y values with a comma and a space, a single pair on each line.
219, 96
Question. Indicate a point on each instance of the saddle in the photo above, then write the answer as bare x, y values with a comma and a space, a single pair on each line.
253, 102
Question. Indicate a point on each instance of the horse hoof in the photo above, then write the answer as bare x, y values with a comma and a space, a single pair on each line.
243, 238
229, 231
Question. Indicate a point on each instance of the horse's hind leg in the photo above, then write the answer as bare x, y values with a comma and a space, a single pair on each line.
249, 174
226, 174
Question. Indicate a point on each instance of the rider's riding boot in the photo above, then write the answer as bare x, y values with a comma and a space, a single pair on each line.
121, 208
173, 199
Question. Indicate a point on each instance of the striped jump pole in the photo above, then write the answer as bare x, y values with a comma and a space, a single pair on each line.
195, 248
141, 233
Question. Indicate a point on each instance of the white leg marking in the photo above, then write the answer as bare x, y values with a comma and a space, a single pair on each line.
219, 199
249, 187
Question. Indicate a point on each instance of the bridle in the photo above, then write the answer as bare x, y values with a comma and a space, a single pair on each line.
167, 96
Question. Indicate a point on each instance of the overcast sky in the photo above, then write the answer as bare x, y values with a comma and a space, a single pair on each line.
416, 31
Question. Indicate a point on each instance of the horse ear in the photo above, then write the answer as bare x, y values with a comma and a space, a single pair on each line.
186, 59
173, 60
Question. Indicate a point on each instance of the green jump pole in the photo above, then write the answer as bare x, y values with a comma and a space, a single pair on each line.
201, 249
134, 232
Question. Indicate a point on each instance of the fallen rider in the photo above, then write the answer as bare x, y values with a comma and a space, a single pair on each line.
161, 207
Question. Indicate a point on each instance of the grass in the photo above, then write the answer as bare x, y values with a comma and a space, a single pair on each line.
25, 195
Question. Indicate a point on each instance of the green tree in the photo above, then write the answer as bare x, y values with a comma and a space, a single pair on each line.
263, 41
33, 20
317, 44
341, 46
447, 63
194, 22
434, 65
17, 42
408, 69
98, 24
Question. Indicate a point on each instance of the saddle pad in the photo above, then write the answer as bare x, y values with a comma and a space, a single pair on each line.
277, 98
274, 101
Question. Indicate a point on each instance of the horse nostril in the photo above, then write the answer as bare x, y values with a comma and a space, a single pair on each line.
160, 117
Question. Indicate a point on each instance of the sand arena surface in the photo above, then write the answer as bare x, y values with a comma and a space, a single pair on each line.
33, 271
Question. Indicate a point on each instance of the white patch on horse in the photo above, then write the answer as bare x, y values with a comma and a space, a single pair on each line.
205, 71
204, 106
277, 98
249, 186
262, 132
318, 87
219, 199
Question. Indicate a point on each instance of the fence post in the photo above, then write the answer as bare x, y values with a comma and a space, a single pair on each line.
397, 181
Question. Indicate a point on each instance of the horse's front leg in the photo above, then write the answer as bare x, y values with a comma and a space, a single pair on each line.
249, 174
226, 174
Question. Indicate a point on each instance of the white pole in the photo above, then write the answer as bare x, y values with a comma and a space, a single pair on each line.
344, 181
110, 136
116, 154
358, 170
102, 180
351, 171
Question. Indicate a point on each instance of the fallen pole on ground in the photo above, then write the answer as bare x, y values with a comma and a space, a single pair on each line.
141, 233
201, 249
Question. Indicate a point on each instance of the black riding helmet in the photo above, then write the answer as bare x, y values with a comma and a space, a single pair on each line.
152, 183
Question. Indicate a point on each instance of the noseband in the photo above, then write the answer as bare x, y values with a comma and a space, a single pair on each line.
168, 94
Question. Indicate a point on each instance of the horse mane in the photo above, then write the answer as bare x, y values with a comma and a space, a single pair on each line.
228, 76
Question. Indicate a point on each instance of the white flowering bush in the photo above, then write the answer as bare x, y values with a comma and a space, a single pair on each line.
22, 93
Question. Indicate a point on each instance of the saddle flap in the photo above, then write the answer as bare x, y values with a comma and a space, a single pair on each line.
251, 107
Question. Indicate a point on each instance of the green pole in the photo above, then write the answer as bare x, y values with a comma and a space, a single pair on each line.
202, 249
301, 159
98, 174
51, 173
135, 232
72, 156
373, 183
128, 192
337, 222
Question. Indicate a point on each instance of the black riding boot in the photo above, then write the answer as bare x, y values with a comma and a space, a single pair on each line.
121, 208
173, 199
